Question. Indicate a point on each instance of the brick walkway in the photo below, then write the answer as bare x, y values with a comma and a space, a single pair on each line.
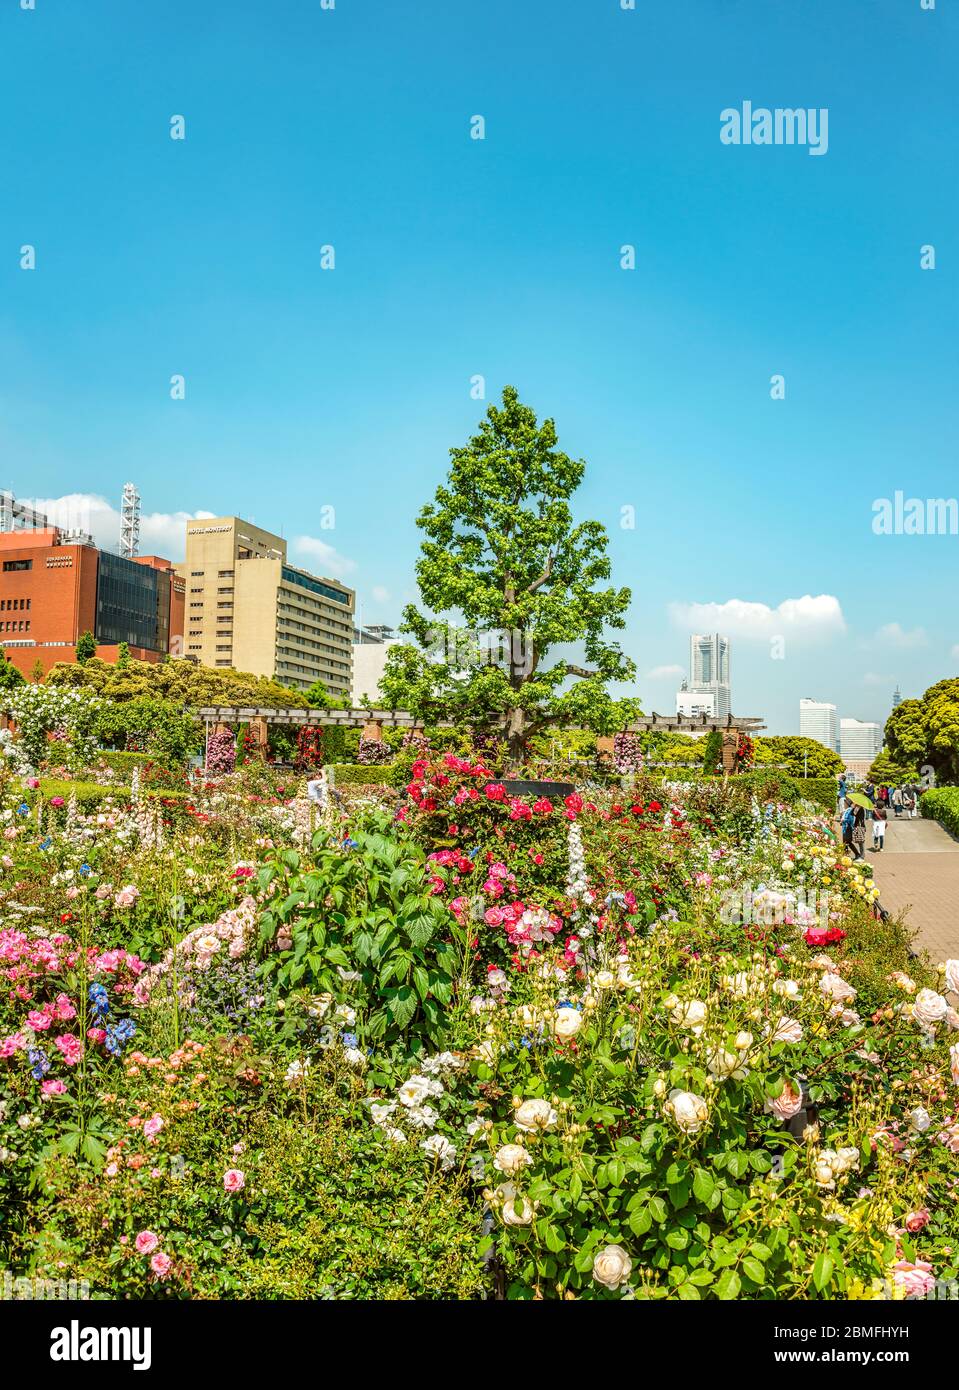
918, 871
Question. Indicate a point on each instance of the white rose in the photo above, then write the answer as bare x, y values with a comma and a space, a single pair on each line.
567, 1022
512, 1158
788, 988
722, 1063
509, 1199
929, 1008
847, 1160
788, 1030
836, 987
823, 1173
532, 1115
604, 979
612, 1267
439, 1147
689, 1110
952, 976
382, 1113
691, 1015
744, 1041
413, 1091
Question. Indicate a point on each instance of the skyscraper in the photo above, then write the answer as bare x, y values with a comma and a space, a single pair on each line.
709, 671
817, 720
859, 739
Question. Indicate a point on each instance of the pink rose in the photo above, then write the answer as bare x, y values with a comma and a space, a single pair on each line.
146, 1242
53, 1088
71, 1047
787, 1104
38, 1021
916, 1220
234, 1180
153, 1126
916, 1278
161, 1264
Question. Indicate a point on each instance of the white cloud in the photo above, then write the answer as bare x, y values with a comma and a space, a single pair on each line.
893, 635
332, 562
161, 533
661, 673
955, 652
380, 594
819, 616
873, 678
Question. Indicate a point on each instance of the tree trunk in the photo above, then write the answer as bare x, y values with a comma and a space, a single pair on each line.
516, 739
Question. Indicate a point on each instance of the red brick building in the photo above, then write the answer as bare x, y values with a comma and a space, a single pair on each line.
51, 592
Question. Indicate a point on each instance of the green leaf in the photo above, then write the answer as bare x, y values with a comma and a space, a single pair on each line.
754, 1270
704, 1184
822, 1270
728, 1285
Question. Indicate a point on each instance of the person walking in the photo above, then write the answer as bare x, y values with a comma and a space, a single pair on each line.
878, 828
846, 822
858, 832
909, 802
897, 802
841, 795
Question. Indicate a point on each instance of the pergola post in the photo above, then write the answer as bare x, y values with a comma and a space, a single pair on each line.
372, 731
730, 745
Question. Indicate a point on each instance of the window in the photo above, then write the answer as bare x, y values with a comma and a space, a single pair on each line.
196, 574
10, 565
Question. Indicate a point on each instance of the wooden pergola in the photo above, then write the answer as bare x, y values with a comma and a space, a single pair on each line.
374, 721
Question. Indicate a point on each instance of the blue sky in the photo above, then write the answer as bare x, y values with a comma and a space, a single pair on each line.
500, 257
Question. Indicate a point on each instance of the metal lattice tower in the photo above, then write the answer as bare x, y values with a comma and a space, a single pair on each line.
130, 522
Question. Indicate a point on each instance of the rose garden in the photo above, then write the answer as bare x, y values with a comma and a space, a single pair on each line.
495, 1016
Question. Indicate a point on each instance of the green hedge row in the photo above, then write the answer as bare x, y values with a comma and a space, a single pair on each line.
124, 763
821, 791
359, 774
942, 804
90, 795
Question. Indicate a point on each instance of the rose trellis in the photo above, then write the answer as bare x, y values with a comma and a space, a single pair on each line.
45, 712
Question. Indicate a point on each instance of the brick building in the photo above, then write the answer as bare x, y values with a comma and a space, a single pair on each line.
52, 590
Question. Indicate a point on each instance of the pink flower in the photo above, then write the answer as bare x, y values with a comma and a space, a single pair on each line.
53, 1088
56, 801
495, 791
146, 1242
916, 1220
38, 1021
14, 1042
63, 1008
127, 896
153, 1126
71, 1047
916, 1279
787, 1104
234, 1180
161, 1264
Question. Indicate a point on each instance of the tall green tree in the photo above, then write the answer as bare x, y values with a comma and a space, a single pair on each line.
925, 733
507, 581
86, 647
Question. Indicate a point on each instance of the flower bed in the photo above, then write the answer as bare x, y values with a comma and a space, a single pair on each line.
645, 1041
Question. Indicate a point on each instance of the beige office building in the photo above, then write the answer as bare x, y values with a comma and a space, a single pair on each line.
248, 608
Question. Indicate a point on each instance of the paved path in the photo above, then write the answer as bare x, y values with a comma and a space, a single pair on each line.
919, 871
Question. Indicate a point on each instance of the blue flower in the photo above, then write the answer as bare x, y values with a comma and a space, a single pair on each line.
39, 1062
99, 998
45, 844
23, 809
349, 1039
85, 869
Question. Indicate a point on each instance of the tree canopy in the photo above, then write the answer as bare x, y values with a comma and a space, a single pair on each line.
506, 578
797, 756
925, 732
182, 682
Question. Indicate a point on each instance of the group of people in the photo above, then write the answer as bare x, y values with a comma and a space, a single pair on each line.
883, 799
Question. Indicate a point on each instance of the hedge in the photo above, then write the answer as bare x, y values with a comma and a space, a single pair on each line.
124, 762
942, 804
360, 774
767, 784
91, 794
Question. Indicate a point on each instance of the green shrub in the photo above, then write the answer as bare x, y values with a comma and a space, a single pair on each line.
358, 774
90, 795
942, 804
